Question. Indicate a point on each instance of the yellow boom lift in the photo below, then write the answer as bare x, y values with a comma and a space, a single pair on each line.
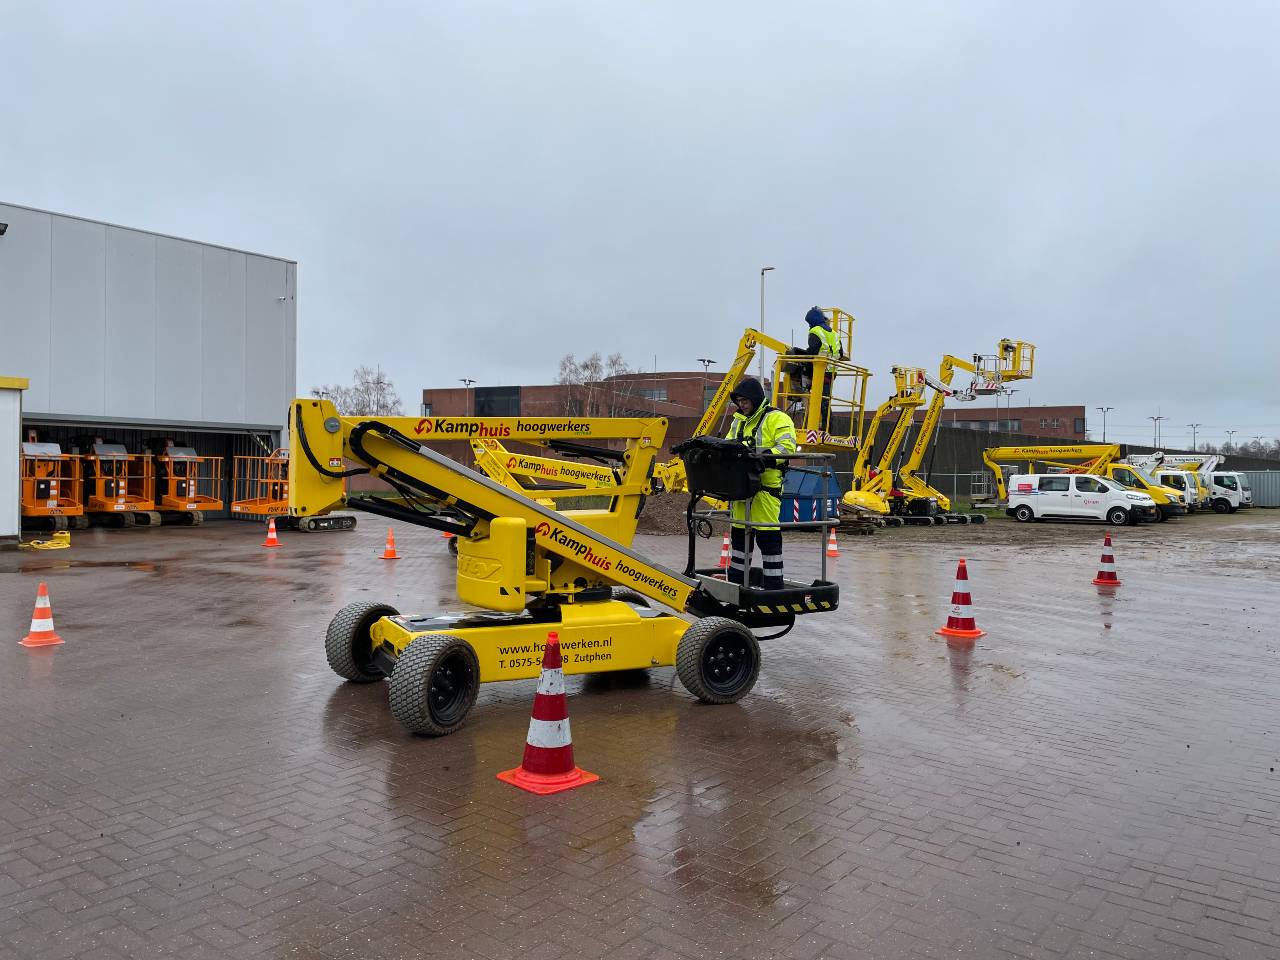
531, 568
1013, 360
873, 487
1097, 458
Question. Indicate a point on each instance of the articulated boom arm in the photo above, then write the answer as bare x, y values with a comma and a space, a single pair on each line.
512, 548
1013, 360
872, 493
1082, 458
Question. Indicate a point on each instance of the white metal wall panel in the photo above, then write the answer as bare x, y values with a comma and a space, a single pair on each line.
1265, 486
78, 317
111, 322
222, 336
179, 384
10, 437
267, 344
130, 353
24, 300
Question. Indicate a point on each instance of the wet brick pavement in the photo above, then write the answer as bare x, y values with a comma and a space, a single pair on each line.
186, 778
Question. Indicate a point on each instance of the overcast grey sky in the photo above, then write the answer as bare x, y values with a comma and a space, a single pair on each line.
473, 189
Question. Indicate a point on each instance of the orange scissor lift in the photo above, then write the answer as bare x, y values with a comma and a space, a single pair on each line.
187, 484
260, 491
119, 487
50, 488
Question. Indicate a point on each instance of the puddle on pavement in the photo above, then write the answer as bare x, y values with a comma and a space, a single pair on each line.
146, 566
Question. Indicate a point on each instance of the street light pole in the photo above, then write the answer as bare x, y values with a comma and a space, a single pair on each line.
467, 383
705, 363
1008, 410
1230, 434
1104, 421
1194, 427
1155, 431
760, 358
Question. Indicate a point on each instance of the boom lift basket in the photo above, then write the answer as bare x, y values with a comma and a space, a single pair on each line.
721, 469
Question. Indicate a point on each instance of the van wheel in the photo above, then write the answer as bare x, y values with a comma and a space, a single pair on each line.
1221, 506
1024, 514
1117, 516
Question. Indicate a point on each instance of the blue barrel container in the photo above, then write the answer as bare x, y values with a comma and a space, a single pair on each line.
803, 498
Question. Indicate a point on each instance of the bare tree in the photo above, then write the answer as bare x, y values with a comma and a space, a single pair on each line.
371, 394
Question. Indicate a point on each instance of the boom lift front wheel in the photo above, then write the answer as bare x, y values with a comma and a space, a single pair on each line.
434, 684
718, 660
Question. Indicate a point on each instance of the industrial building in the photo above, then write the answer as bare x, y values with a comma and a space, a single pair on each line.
134, 336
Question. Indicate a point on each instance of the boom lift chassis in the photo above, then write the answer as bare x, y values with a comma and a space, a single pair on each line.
532, 568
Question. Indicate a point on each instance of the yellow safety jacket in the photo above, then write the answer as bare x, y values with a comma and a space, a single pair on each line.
830, 342
770, 431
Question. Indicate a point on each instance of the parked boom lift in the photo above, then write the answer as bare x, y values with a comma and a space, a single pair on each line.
187, 484
1013, 360
50, 488
533, 568
260, 491
119, 487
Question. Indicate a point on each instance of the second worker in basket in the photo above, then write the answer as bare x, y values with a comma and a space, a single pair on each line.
767, 429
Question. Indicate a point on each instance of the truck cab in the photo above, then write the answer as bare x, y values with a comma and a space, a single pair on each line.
1169, 502
1183, 481
1230, 492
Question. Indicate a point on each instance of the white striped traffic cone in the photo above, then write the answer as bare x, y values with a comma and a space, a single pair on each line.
42, 633
548, 751
1107, 576
724, 553
960, 630
832, 549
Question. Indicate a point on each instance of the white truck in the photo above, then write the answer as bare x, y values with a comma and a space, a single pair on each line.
1222, 491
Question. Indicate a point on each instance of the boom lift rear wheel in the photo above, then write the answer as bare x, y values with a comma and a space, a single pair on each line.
347, 644
718, 660
434, 684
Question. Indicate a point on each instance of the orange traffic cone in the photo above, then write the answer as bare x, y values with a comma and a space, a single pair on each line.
41, 633
389, 551
832, 549
272, 540
548, 751
960, 630
1107, 570
724, 554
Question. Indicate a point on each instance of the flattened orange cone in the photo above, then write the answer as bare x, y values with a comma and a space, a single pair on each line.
389, 551
1107, 576
42, 633
272, 540
724, 553
961, 630
832, 549
548, 765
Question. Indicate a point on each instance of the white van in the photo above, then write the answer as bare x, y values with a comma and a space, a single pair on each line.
1076, 496
1230, 492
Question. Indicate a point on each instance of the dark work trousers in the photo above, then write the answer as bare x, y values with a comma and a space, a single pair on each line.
770, 544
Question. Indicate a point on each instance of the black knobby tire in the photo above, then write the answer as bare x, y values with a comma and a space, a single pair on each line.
347, 644
1117, 516
1161, 515
1024, 513
1221, 506
718, 660
627, 595
434, 684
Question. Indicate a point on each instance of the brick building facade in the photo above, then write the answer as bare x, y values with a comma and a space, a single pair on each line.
1060, 423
